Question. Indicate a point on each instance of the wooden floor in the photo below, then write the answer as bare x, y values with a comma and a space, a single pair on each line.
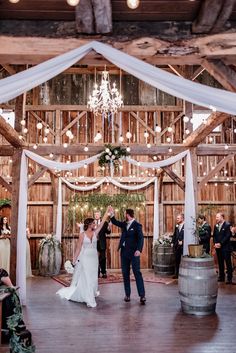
59, 326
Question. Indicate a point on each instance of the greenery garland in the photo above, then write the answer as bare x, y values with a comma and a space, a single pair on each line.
5, 202
112, 155
82, 206
13, 323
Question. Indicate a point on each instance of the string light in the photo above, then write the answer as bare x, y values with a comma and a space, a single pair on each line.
186, 119
72, 2
14, 1
157, 128
133, 4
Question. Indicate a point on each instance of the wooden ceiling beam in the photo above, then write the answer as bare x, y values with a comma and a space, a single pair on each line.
10, 134
93, 16
222, 73
223, 16
214, 171
33, 50
198, 135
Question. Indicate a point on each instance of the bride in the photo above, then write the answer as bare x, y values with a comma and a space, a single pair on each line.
84, 284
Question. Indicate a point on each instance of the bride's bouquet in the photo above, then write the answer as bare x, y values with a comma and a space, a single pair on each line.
68, 266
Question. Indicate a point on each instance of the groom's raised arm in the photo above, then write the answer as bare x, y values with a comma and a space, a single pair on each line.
116, 222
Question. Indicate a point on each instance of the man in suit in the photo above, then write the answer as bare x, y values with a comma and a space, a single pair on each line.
221, 239
130, 246
178, 239
204, 230
102, 244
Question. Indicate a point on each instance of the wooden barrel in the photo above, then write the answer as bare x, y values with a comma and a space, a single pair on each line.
49, 259
163, 260
198, 285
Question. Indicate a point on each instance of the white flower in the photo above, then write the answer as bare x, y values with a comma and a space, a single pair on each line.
68, 267
107, 150
115, 151
107, 157
113, 157
110, 153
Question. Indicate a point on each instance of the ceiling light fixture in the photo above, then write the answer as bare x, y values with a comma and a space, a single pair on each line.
105, 99
73, 2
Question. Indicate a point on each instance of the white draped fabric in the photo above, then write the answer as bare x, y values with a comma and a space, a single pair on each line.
22, 215
15, 85
190, 206
121, 186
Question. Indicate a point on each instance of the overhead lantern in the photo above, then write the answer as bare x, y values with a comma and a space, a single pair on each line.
133, 4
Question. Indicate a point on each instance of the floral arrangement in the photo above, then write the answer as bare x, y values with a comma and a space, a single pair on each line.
165, 240
50, 240
52, 244
112, 155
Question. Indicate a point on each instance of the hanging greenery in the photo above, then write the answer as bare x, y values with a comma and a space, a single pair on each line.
112, 155
5, 202
82, 206
13, 323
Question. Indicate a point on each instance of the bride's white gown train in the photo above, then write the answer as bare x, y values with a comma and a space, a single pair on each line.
84, 284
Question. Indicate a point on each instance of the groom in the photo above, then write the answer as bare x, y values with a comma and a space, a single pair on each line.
130, 245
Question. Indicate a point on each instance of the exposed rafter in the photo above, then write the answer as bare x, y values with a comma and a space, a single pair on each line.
5, 184
10, 134
222, 73
198, 135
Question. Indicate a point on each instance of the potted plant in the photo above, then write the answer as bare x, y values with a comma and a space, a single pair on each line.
163, 255
195, 250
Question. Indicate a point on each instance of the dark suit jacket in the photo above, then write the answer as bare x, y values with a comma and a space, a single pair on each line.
178, 236
205, 236
102, 244
222, 236
131, 239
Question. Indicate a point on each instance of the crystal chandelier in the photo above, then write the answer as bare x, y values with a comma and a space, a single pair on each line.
105, 99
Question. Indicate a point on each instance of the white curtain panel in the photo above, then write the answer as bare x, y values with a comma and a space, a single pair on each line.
221, 100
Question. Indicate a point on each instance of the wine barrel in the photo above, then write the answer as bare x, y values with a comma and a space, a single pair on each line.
198, 285
50, 259
163, 260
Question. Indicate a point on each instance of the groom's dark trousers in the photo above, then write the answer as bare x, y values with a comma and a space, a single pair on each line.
130, 241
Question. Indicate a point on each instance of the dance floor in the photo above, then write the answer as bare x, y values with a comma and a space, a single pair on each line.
60, 326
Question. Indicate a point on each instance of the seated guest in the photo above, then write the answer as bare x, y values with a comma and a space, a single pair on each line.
204, 230
5, 231
5, 279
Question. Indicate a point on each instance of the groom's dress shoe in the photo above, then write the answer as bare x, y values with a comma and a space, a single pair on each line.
127, 299
142, 300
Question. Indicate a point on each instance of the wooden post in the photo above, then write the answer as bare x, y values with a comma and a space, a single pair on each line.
194, 170
16, 164
54, 199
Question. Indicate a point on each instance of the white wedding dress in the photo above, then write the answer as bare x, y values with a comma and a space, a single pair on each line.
84, 284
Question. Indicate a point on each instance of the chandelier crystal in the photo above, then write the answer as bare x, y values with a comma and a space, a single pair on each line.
105, 99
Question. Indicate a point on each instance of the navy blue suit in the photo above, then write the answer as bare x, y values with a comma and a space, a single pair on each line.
222, 236
130, 241
178, 249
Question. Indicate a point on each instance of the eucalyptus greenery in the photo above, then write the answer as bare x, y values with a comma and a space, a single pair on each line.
82, 206
5, 202
13, 323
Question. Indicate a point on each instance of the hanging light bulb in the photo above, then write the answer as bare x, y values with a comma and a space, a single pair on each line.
157, 128
72, 2
23, 122
133, 4
128, 135
39, 126
186, 119
121, 138
14, 1
146, 134
46, 130
169, 129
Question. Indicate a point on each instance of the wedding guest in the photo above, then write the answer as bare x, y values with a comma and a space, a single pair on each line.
221, 239
130, 246
28, 257
5, 231
5, 279
178, 242
204, 230
102, 244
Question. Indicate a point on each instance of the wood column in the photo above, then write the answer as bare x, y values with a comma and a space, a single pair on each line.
194, 170
16, 164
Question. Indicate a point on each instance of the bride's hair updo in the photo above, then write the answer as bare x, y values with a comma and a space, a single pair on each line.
87, 222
